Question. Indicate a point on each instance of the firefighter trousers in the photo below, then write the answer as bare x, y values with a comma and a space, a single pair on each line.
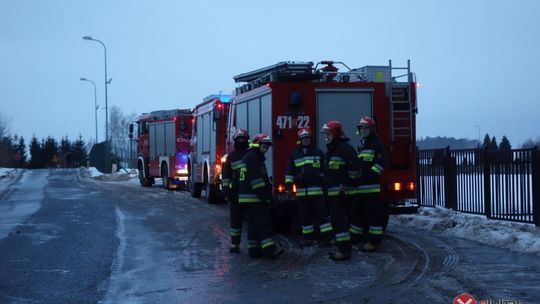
237, 216
313, 211
260, 235
339, 211
367, 218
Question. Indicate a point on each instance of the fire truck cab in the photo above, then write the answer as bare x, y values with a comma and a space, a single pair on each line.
163, 147
282, 98
208, 147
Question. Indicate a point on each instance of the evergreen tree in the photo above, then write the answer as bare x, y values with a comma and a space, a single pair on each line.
18, 148
65, 145
485, 145
79, 155
6, 152
493, 144
505, 144
36, 160
50, 151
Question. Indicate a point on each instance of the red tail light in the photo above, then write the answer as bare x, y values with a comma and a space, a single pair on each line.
280, 189
294, 188
411, 186
397, 186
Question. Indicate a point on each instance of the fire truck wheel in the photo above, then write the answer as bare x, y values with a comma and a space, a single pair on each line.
165, 179
145, 181
211, 193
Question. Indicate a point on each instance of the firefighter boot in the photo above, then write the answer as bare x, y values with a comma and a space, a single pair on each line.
235, 248
339, 256
368, 247
343, 251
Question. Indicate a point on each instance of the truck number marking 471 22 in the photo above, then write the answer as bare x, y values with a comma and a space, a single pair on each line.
287, 121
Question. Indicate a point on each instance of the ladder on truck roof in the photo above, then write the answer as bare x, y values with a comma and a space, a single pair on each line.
285, 70
401, 112
161, 114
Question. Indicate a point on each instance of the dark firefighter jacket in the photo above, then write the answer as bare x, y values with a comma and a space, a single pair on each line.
254, 185
306, 170
372, 160
341, 169
231, 173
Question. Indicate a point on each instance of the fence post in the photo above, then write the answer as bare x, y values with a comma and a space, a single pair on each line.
417, 178
535, 165
450, 189
487, 183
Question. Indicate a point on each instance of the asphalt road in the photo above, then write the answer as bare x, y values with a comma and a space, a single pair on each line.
69, 239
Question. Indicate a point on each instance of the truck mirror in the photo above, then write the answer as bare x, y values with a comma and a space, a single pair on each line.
130, 128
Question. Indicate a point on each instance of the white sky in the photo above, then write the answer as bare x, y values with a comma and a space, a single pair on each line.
477, 61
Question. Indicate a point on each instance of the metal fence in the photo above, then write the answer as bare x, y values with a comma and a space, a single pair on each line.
501, 185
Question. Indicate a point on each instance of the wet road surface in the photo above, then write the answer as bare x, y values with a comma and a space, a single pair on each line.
67, 239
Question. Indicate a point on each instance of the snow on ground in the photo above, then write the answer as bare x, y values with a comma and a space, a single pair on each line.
6, 174
122, 175
519, 237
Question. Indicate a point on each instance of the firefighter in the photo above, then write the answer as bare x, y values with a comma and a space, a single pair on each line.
230, 174
305, 171
368, 211
340, 172
255, 193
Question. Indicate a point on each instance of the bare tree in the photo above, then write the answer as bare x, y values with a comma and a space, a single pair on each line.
4, 126
119, 125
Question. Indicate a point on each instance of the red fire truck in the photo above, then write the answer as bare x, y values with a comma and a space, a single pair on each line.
280, 99
163, 147
208, 146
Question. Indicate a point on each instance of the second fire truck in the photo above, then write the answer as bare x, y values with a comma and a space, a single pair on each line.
163, 141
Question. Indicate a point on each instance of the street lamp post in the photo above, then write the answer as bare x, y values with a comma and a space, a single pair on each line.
106, 83
95, 104
108, 148
477, 126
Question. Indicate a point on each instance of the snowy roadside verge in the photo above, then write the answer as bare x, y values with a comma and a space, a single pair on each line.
7, 177
121, 176
519, 237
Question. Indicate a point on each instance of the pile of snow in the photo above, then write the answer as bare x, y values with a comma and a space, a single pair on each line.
6, 173
518, 237
117, 176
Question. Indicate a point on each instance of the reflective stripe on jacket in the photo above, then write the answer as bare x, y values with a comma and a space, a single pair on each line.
254, 184
372, 160
231, 172
341, 167
305, 169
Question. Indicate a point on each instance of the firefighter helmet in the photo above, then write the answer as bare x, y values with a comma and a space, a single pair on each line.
367, 121
261, 139
335, 128
304, 132
240, 133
